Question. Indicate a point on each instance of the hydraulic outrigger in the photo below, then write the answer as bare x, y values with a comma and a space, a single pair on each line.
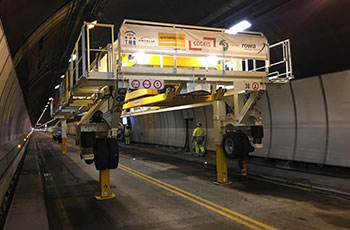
193, 65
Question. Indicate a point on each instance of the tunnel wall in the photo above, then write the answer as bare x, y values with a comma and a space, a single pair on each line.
307, 120
14, 119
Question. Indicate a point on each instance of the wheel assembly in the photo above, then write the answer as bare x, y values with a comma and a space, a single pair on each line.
236, 145
231, 145
101, 154
113, 153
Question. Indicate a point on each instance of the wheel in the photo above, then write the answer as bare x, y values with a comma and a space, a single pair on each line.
246, 147
101, 154
113, 155
231, 145
54, 138
59, 138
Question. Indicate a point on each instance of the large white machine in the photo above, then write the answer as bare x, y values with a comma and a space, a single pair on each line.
155, 66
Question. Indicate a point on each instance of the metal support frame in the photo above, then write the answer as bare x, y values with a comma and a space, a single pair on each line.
219, 113
105, 186
64, 136
169, 99
240, 106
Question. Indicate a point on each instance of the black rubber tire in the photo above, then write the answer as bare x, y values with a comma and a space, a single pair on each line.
231, 145
113, 153
246, 147
101, 154
54, 138
59, 138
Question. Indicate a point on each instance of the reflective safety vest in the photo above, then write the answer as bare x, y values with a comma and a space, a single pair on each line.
198, 134
127, 132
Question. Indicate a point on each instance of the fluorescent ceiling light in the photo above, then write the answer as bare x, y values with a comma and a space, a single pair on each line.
239, 27
62, 76
57, 86
50, 99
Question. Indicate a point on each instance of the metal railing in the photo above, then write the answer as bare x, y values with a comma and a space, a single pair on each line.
280, 71
82, 61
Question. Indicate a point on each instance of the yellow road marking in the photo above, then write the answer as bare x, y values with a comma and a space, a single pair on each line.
201, 201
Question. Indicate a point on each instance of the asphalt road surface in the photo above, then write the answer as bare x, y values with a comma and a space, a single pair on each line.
160, 193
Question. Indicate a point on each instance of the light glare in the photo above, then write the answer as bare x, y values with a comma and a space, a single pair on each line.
92, 25
74, 57
239, 27
212, 60
141, 57
125, 121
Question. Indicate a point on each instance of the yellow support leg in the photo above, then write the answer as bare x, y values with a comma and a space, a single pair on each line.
221, 167
105, 186
64, 148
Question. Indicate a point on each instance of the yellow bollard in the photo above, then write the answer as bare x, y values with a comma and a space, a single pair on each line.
221, 167
105, 186
64, 148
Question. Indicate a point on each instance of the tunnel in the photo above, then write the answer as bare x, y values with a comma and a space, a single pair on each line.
224, 114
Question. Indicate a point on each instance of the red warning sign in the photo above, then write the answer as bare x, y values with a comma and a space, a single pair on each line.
135, 84
157, 84
146, 84
255, 86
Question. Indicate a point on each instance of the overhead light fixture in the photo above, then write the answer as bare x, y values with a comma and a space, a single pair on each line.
62, 76
92, 24
50, 99
239, 27
57, 86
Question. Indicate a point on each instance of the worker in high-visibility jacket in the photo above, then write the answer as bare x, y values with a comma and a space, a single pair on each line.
127, 135
198, 137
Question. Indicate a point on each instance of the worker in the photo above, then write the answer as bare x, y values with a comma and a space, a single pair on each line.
198, 139
127, 134
242, 163
247, 148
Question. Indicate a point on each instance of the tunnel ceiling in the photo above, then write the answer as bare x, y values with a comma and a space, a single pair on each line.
41, 34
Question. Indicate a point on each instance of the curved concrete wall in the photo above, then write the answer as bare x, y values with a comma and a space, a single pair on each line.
14, 119
307, 120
